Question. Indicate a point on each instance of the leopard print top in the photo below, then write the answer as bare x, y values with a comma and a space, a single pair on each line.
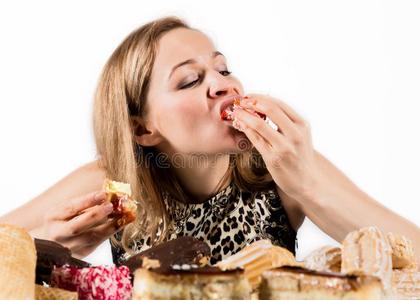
227, 222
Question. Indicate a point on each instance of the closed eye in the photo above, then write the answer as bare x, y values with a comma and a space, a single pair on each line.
192, 83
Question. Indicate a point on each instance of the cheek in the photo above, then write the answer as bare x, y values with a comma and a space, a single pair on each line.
179, 117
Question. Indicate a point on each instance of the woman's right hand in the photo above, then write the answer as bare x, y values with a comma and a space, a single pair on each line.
80, 224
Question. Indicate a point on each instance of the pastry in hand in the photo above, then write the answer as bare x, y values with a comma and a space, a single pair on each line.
227, 112
119, 194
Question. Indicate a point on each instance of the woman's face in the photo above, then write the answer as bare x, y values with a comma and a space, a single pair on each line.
189, 84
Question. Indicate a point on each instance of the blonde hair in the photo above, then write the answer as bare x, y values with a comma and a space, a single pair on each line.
121, 93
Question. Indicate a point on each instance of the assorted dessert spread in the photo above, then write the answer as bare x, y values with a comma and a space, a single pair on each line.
367, 265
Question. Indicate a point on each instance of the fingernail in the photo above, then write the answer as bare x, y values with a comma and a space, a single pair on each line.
109, 208
100, 196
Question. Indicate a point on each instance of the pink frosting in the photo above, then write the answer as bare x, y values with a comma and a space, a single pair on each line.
101, 282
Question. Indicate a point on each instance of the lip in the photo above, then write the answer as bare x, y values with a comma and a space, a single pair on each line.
226, 102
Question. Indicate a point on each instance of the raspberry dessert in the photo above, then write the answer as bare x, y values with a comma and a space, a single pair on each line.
101, 282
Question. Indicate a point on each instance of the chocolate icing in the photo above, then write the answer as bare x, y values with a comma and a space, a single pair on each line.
50, 254
184, 250
205, 270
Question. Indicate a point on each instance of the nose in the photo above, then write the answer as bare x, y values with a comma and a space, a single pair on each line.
222, 85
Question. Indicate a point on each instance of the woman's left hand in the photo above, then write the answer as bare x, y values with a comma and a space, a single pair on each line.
288, 152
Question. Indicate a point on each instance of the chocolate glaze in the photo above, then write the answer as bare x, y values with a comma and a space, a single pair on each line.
50, 254
205, 270
183, 250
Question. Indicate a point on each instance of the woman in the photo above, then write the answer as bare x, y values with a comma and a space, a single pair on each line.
157, 126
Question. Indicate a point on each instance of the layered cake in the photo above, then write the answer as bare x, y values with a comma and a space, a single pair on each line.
297, 283
190, 282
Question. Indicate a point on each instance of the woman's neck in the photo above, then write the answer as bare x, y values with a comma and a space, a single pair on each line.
201, 175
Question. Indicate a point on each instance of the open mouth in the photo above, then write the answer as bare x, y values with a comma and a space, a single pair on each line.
227, 112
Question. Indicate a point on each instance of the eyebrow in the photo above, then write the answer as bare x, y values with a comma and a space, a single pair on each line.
191, 61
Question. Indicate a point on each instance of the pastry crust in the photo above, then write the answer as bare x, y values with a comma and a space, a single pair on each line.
18, 261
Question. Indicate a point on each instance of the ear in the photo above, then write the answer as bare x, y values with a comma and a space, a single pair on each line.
145, 134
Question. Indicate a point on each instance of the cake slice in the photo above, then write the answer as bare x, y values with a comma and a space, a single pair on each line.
257, 258
188, 282
119, 194
296, 283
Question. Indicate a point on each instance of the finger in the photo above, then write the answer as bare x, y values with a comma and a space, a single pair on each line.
274, 139
260, 143
95, 236
96, 215
75, 206
268, 104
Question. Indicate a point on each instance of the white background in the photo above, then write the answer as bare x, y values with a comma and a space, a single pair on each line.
350, 68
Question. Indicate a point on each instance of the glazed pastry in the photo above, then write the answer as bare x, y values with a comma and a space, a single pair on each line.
48, 293
367, 251
402, 252
183, 250
18, 261
326, 258
190, 282
257, 258
119, 194
295, 283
